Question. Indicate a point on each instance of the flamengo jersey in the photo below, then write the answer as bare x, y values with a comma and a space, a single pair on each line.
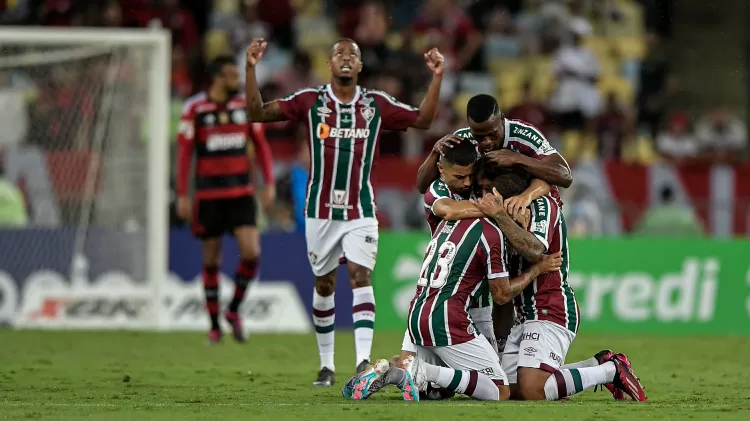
523, 138
217, 135
549, 297
461, 255
343, 146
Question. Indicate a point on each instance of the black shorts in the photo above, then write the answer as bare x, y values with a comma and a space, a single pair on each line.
213, 218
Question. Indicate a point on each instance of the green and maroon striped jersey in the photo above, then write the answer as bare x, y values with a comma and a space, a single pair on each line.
523, 138
459, 259
343, 140
549, 297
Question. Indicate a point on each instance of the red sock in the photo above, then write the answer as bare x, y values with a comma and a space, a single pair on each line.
246, 273
210, 278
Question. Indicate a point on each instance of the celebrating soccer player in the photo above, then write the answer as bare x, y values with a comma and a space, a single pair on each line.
214, 127
343, 123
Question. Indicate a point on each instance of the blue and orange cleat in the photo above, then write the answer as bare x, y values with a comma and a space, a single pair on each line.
369, 381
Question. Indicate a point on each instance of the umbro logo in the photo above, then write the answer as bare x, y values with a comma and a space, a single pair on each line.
530, 350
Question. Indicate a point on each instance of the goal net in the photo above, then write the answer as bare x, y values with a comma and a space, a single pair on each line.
83, 117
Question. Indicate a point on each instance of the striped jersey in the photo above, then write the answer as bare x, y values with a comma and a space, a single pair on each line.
439, 190
343, 140
459, 258
549, 297
522, 138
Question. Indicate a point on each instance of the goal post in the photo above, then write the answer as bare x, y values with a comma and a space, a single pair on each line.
105, 85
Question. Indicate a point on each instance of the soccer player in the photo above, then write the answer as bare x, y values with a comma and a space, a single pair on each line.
547, 308
343, 123
461, 257
214, 127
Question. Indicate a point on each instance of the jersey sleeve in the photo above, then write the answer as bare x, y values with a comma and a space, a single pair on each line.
496, 255
530, 140
544, 215
394, 115
293, 107
185, 147
437, 191
262, 152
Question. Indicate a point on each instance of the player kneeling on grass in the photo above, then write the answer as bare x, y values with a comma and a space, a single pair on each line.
547, 309
450, 352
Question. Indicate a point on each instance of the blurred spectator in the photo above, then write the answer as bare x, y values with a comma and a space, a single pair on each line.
655, 86
444, 25
612, 126
242, 29
391, 142
576, 99
112, 15
297, 75
677, 143
182, 82
543, 23
722, 136
170, 15
12, 203
56, 12
529, 110
501, 37
299, 174
668, 218
279, 14
370, 35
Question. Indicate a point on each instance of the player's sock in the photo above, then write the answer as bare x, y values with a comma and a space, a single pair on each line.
210, 278
591, 362
564, 382
470, 383
324, 315
363, 313
247, 270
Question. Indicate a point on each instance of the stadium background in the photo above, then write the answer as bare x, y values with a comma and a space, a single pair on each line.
651, 115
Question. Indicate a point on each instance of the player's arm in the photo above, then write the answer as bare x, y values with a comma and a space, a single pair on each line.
428, 171
453, 210
185, 149
263, 155
257, 110
517, 204
551, 168
429, 106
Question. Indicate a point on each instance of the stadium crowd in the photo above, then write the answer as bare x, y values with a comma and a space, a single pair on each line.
593, 75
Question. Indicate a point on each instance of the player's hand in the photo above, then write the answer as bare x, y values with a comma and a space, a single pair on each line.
184, 208
549, 263
516, 205
446, 141
504, 157
255, 51
435, 62
491, 204
523, 218
268, 196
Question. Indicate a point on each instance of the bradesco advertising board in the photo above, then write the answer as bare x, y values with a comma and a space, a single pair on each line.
43, 286
623, 285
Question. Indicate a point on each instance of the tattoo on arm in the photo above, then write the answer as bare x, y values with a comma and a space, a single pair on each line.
271, 112
504, 290
523, 241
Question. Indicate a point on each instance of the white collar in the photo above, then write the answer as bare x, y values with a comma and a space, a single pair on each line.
330, 93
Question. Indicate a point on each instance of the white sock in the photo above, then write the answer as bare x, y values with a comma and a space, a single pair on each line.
469, 383
363, 314
324, 316
591, 362
565, 382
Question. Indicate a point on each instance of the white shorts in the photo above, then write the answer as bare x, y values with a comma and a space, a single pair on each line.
536, 344
475, 355
328, 241
482, 318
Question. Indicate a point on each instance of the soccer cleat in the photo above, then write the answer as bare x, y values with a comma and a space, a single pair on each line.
235, 321
369, 380
602, 357
414, 367
214, 336
363, 365
325, 378
626, 380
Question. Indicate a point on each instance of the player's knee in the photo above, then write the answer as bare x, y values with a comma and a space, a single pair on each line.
360, 277
325, 285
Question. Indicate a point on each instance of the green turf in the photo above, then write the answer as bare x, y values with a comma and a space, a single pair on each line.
151, 376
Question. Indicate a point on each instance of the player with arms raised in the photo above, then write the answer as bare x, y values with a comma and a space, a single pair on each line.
214, 127
343, 123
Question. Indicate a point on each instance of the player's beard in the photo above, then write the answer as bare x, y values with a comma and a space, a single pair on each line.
231, 91
345, 80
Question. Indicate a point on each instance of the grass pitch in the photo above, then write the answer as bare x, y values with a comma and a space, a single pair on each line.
170, 377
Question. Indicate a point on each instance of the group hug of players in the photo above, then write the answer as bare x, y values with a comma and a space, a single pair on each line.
498, 248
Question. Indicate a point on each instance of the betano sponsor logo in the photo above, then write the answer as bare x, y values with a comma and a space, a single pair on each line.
324, 131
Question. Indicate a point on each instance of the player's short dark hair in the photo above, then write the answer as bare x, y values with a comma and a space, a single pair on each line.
217, 65
330, 52
511, 181
481, 107
464, 154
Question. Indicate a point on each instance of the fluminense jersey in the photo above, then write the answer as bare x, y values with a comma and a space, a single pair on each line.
460, 256
549, 297
343, 142
439, 190
523, 138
